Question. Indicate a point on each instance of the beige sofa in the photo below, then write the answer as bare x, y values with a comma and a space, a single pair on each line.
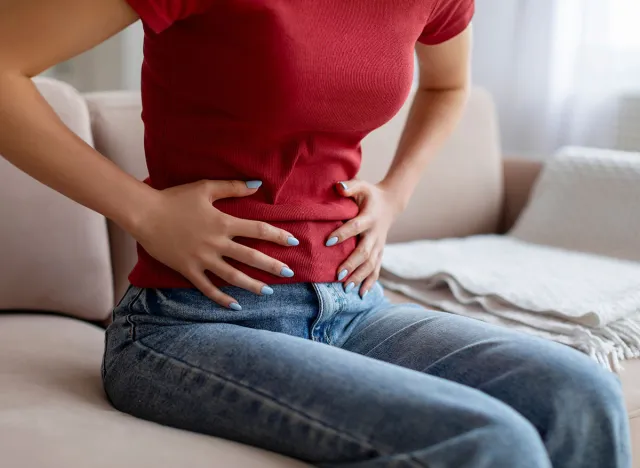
62, 268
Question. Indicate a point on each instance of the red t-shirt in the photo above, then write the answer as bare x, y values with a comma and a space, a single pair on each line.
281, 91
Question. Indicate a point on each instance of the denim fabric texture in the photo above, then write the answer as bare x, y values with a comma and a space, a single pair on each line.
324, 376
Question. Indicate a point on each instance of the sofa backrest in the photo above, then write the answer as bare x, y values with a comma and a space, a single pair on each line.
461, 192
54, 253
61, 257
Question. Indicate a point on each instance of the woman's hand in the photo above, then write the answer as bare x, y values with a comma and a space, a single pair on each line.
378, 211
184, 231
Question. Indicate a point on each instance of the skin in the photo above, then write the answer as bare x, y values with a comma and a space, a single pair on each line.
179, 226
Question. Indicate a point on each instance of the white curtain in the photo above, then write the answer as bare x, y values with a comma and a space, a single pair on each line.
562, 72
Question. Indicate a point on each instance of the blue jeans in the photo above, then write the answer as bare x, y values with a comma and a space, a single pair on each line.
326, 377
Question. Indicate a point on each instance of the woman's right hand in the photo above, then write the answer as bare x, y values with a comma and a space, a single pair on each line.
183, 230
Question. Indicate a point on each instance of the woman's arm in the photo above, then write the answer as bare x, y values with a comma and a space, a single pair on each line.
441, 95
436, 109
35, 35
179, 226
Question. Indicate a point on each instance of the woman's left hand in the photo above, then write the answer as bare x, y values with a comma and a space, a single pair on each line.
378, 211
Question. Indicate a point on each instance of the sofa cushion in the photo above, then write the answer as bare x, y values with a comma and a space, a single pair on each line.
51, 399
55, 253
54, 413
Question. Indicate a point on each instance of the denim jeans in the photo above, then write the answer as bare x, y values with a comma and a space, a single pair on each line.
324, 376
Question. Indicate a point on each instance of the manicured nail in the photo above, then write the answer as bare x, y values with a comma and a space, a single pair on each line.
235, 306
344, 186
254, 184
343, 274
331, 242
349, 287
286, 272
293, 241
266, 291
364, 294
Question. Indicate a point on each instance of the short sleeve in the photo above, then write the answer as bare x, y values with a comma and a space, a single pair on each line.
448, 19
160, 14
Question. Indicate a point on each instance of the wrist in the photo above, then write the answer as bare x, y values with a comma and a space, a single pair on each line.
138, 208
398, 195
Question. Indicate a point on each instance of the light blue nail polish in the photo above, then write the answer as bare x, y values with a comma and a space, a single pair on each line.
287, 272
349, 287
266, 291
235, 306
344, 186
293, 241
343, 274
364, 295
254, 184
331, 242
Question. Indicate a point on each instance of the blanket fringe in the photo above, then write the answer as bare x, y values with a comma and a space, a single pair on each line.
609, 345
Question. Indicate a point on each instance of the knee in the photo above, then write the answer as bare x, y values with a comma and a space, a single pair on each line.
490, 434
589, 397
510, 440
559, 383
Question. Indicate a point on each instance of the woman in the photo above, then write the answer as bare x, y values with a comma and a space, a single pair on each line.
254, 312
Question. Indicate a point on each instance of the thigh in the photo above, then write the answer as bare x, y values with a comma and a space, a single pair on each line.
286, 394
527, 373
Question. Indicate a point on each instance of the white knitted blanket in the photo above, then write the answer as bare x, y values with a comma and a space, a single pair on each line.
569, 271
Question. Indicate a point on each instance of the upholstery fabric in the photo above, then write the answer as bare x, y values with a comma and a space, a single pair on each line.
55, 253
519, 178
461, 192
118, 133
54, 413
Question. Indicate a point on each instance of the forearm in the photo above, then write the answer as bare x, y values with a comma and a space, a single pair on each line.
433, 116
36, 141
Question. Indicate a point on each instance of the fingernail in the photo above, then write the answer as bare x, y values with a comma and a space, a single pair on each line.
235, 306
364, 294
331, 242
343, 274
286, 272
349, 287
293, 241
266, 291
344, 186
254, 184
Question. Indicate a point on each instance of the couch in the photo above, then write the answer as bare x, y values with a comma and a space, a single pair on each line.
63, 267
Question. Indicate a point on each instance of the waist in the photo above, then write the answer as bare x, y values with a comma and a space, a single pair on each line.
311, 261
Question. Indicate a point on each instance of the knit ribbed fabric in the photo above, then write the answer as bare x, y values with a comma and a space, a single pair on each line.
281, 91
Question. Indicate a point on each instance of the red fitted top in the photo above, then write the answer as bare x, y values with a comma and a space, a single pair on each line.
281, 91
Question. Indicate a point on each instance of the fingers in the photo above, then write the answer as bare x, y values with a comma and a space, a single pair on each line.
200, 281
370, 281
351, 228
257, 259
263, 231
235, 277
360, 264
218, 189
352, 188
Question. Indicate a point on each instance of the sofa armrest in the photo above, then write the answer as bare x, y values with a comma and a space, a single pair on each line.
519, 178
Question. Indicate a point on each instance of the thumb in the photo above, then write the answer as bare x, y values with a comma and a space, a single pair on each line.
219, 189
351, 188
